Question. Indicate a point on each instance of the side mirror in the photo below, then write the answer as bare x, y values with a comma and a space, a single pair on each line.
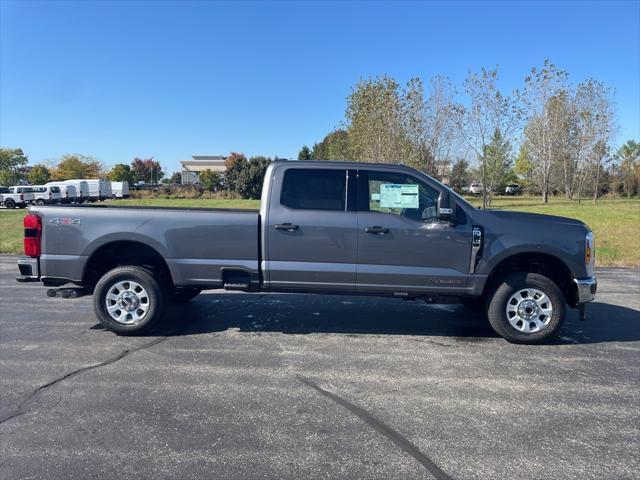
446, 206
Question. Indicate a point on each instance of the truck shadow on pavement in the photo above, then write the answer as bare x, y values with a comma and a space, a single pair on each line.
304, 314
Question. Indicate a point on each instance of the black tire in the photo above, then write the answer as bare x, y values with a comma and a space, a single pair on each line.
10, 204
155, 299
510, 286
40, 202
183, 295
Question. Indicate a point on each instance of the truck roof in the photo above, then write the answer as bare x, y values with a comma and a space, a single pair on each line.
342, 163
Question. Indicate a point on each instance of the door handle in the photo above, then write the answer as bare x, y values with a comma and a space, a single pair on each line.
377, 230
287, 227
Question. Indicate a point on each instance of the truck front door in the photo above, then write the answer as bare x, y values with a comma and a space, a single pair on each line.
311, 229
402, 246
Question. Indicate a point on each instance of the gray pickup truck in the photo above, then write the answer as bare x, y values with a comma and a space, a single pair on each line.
322, 227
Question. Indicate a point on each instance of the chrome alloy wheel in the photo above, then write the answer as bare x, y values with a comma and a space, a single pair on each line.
529, 310
127, 302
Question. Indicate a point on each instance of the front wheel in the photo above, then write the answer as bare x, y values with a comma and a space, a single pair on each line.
526, 308
128, 300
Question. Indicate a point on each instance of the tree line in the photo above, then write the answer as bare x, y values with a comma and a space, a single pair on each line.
13, 169
243, 176
552, 135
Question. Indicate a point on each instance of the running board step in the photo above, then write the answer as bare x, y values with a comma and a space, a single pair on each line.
237, 286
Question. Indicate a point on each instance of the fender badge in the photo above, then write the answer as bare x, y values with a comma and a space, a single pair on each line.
65, 221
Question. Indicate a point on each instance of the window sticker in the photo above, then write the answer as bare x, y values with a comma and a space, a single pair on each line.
375, 197
394, 195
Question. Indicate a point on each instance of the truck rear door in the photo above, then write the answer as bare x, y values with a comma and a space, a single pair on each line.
311, 229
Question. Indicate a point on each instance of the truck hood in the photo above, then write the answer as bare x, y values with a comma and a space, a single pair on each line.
531, 218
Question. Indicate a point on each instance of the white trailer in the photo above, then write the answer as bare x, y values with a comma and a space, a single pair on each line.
105, 189
95, 190
82, 189
120, 189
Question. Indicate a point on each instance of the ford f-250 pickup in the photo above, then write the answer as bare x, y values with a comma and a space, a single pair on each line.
322, 227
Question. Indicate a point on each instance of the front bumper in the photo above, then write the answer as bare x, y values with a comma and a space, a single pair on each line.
586, 289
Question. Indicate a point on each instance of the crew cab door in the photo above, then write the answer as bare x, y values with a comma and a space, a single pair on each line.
311, 229
402, 246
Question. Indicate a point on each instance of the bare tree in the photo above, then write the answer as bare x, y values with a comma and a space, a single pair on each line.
439, 119
488, 111
545, 133
605, 127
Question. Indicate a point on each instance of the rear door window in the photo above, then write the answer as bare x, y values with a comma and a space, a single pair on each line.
314, 189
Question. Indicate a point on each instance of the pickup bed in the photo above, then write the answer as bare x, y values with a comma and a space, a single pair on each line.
322, 227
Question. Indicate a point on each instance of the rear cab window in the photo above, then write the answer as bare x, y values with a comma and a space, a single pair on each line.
314, 189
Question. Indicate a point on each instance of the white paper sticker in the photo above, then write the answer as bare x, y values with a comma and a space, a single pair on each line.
394, 195
375, 197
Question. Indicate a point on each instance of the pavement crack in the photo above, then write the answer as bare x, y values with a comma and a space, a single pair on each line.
380, 427
32, 397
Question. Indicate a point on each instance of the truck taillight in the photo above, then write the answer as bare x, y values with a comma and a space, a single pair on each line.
22, 197
50, 195
32, 233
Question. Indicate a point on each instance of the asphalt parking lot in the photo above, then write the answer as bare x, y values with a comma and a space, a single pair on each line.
302, 386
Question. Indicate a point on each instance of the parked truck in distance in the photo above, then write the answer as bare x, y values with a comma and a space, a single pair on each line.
11, 199
322, 227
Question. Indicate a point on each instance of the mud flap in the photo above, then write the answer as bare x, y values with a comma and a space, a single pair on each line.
582, 308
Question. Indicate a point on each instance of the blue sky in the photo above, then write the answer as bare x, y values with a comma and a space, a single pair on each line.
170, 79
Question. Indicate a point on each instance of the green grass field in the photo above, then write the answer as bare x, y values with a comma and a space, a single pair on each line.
616, 222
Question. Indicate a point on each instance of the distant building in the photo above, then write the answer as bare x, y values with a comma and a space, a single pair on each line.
191, 169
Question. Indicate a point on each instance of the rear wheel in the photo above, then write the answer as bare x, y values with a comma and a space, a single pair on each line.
526, 308
10, 203
128, 300
183, 295
40, 202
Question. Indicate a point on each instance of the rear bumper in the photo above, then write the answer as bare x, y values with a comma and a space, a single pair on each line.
586, 289
29, 270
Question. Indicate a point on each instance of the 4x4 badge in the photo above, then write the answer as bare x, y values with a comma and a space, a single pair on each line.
65, 221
